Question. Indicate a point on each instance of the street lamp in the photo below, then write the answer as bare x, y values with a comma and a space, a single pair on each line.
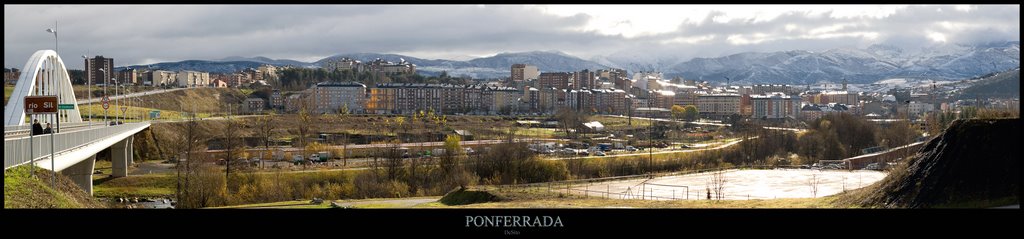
88, 86
105, 74
53, 167
116, 105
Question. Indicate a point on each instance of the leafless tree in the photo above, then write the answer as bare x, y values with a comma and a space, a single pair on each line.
305, 121
196, 181
264, 126
718, 181
813, 183
231, 146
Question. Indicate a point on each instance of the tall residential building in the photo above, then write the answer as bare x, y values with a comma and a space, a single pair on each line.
332, 96
276, 99
93, 73
766, 89
128, 75
583, 79
344, 64
386, 67
612, 73
11, 75
558, 80
718, 106
841, 97
775, 105
522, 72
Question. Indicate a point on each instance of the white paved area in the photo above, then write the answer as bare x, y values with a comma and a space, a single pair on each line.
739, 184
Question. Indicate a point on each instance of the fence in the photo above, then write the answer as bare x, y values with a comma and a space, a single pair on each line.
643, 190
16, 151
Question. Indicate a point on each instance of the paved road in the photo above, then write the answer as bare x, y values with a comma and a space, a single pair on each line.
708, 123
663, 152
144, 93
406, 145
389, 203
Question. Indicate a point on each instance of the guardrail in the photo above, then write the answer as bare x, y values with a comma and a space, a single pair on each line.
16, 151
13, 131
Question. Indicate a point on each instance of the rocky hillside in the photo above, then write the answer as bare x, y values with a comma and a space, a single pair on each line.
973, 164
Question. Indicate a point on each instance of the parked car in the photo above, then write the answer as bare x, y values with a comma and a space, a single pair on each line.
599, 153
630, 148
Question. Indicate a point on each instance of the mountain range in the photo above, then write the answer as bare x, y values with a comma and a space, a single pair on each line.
797, 67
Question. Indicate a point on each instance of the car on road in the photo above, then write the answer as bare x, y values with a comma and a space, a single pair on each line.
599, 153
631, 148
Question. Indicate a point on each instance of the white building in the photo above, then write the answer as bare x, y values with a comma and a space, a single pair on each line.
193, 78
775, 105
331, 96
920, 107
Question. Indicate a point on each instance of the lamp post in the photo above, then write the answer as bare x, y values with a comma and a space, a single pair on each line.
56, 49
53, 166
117, 105
105, 73
88, 86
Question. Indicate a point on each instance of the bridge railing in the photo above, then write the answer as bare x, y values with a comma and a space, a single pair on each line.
16, 151
29, 126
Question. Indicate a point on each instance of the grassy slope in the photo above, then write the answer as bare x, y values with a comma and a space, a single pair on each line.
23, 191
7, 93
154, 185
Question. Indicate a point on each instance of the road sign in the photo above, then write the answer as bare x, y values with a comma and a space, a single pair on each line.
124, 109
40, 104
66, 106
106, 102
154, 114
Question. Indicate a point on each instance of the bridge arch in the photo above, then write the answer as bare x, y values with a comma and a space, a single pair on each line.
43, 74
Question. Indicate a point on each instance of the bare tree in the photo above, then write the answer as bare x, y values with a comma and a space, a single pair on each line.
718, 181
392, 153
265, 130
231, 146
197, 182
813, 183
305, 121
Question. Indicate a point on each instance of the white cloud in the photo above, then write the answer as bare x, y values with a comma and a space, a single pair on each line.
135, 34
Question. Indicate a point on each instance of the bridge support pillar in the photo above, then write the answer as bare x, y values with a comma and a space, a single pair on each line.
119, 158
81, 173
131, 150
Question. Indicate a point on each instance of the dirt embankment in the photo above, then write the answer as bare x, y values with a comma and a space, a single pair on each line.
974, 163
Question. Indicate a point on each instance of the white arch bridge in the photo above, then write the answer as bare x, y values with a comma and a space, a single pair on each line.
76, 144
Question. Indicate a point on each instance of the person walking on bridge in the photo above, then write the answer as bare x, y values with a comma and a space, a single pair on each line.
48, 129
37, 128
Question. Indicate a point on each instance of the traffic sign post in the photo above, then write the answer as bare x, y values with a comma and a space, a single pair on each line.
106, 105
65, 106
38, 105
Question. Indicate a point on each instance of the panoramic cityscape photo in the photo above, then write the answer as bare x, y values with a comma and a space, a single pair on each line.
511, 106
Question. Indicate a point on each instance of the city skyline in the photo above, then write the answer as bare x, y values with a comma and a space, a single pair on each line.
132, 34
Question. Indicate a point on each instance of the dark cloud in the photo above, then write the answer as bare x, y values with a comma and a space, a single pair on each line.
142, 34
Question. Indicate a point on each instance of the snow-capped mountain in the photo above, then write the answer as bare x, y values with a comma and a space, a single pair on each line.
265, 60
496, 66
868, 65
797, 67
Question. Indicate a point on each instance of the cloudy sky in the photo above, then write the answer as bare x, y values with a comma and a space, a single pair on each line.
134, 34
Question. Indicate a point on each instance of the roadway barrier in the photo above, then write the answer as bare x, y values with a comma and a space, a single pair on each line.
16, 151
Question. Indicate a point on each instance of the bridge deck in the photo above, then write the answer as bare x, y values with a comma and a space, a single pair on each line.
68, 146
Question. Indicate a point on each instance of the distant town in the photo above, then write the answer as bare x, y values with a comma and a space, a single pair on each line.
529, 91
